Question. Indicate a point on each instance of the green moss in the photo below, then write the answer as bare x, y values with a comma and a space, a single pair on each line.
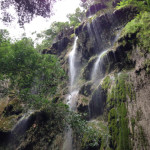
118, 127
106, 83
130, 91
118, 93
72, 35
85, 100
147, 66
7, 123
140, 26
124, 142
117, 113
97, 135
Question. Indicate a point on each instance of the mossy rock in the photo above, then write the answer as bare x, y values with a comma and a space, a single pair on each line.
14, 107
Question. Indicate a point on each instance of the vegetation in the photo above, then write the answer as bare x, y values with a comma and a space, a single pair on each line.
76, 18
86, 133
117, 112
50, 35
142, 5
140, 26
58, 30
33, 77
106, 83
27, 9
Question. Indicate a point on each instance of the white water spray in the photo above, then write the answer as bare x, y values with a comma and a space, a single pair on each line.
96, 66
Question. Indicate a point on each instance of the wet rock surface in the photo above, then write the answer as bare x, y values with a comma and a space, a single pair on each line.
98, 35
97, 103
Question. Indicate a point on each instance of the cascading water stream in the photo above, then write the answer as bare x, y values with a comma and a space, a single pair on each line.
96, 69
96, 66
73, 93
72, 67
73, 76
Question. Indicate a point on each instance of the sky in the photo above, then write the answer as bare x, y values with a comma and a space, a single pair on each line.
38, 24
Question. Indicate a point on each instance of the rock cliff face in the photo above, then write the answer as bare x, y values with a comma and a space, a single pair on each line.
118, 98
120, 95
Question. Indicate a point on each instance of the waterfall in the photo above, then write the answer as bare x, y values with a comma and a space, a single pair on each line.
96, 68
96, 104
72, 66
73, 93
73, 76
96, 72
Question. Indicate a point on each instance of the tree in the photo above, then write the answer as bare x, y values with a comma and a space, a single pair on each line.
50, 35
27, 9
76, 18
33, 76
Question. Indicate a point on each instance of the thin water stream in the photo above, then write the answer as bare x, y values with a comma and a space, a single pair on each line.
96, 71
96, 68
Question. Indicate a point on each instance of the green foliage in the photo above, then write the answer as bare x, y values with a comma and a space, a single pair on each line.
140, 25
117, 114
106, 83
87, 135
118, 126
72, 35
4, 36
33, 76
50, 122
50, 34
147, 65
76, 18
91, 138
120, 91
26, 10
58, 30
142, 5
